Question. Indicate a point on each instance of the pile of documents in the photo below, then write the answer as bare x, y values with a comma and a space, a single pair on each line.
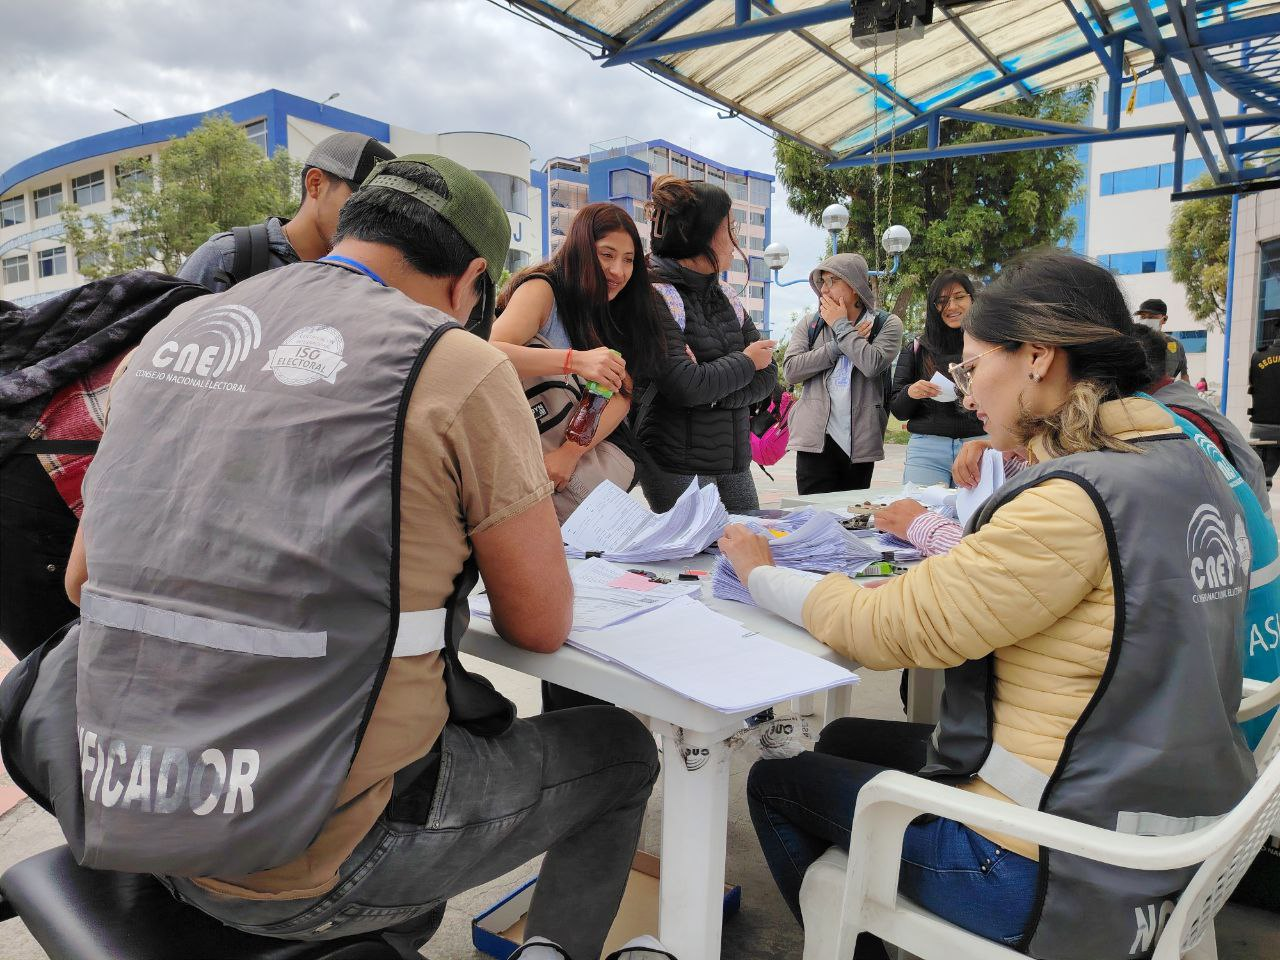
619, 527
819, 544
710, 658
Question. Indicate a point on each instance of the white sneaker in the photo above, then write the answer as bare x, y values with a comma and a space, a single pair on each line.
539, 948
642, 948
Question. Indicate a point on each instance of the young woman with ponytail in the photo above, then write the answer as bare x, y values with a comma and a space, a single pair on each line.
696, 427
1088, 651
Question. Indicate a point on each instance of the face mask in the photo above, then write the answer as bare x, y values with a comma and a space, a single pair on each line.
1152, 322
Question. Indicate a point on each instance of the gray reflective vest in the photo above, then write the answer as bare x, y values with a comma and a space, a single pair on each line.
242, 607
1179, 393
1156, 750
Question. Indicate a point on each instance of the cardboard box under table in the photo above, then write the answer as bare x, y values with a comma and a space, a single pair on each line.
500, 929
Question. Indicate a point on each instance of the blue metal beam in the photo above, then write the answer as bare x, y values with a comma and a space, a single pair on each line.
1179, 159
764, 26
1109, 64
999, 83
1038, 124
677, 16
1172, 128
1255, 146
1186, 29
1151, 31
742, 11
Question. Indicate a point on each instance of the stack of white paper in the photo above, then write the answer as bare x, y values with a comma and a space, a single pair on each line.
710, 658
989, 481
621, 528
820, 544
599, 603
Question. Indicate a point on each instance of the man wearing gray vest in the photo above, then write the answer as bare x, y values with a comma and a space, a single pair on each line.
301, 477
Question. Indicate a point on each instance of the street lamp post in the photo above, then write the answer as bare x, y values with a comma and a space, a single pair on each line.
834, 219
896, 240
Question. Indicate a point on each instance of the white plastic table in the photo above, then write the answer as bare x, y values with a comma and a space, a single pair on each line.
695, 757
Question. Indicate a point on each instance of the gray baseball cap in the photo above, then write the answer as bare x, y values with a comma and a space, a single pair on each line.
348, 156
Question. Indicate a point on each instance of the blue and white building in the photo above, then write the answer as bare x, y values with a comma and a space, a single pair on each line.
622, 172
36, 262
1123, 219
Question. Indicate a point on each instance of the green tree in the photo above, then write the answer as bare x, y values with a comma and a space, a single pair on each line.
966, 213
1199, 239
209, 181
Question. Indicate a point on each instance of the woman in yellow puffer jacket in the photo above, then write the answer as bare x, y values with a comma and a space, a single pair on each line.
1048, 365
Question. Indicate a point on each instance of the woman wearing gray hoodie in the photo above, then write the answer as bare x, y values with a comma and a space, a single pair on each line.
841, 358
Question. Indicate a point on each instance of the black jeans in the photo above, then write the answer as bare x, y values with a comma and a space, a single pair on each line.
830, 471
37, 529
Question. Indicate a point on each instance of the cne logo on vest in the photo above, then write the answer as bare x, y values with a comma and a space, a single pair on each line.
1219, 556
205, 347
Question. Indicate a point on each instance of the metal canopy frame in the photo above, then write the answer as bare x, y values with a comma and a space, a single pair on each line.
1207, 39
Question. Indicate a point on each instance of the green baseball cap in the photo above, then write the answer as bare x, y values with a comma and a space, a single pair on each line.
472, 208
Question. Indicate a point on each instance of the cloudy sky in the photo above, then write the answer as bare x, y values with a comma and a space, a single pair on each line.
431, 65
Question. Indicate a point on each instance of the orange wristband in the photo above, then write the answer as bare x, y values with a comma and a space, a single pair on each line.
568, 359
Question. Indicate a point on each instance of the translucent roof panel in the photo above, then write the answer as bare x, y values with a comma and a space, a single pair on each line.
811, 82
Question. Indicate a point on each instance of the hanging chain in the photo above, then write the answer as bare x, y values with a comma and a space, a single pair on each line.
893, 137
875, 146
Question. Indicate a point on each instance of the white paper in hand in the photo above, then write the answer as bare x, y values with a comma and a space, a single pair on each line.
989, 481
947, 389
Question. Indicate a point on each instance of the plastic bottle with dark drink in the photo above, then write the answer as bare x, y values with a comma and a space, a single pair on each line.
586, 415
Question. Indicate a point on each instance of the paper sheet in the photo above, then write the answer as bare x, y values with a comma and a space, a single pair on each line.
710, 658
625, 530
991, 478
598, 604
943, 383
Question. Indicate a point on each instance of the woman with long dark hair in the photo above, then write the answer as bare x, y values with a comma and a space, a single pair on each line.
1073, 581
587, 312
938, 428
715, 365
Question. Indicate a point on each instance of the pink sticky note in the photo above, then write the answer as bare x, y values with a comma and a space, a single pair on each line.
633, 581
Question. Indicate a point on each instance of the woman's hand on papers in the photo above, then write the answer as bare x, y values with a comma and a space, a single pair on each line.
967, 469
897, 516
745, 549
562, 462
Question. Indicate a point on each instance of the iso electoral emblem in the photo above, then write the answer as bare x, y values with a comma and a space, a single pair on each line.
307, 355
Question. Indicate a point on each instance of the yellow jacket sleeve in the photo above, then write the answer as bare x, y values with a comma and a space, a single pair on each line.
1028, 567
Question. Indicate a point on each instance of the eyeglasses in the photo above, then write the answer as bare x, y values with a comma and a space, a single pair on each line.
959, 299
962, 373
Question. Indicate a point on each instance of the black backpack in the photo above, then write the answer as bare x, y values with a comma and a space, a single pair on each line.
886, 375
252, 254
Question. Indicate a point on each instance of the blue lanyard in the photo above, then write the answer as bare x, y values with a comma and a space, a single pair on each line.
354, 265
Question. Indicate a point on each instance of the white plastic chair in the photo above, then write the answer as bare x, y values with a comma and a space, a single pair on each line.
845, 895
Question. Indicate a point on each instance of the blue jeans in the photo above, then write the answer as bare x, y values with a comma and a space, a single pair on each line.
929, 459
804, 805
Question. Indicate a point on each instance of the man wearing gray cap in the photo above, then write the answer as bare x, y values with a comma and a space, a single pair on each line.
334, 169
837, 425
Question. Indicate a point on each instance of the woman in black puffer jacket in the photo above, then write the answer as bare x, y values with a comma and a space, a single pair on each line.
696, 424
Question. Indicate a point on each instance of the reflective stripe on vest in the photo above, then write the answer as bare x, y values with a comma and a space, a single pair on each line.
420, 631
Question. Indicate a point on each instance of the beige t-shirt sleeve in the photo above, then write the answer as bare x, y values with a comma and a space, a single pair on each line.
499, 456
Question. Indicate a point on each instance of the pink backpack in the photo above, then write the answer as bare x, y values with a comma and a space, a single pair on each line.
771, 446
